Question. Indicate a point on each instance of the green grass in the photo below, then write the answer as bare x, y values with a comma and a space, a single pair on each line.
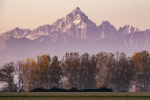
75, 96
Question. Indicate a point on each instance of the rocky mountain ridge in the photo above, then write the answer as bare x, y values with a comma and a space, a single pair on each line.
75, 32
75, 24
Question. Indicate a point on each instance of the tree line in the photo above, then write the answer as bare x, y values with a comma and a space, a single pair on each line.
115, 71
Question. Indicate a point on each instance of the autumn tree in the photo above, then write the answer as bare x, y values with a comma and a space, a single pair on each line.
116, 71
141, 62
19, 63
122, 72
105, 65
92, 72
88, 72
43, 73
70, 65
54, 73
7, 76
42, 70
26, 74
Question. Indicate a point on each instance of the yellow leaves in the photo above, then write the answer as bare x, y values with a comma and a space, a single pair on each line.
97, 55
43, 63
140, 60
27, 60
22, 67
133, 55
44, 59
33, 70
33, 63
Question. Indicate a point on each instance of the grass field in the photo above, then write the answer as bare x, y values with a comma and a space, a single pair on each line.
75, 96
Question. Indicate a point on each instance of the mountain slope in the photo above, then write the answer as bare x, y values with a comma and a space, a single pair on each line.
73, 33
136, 40
128, 29
107, 30
75, 24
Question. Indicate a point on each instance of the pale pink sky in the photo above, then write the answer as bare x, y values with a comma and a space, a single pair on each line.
33, 13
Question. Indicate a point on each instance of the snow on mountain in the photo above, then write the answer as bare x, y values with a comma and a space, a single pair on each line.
128, 29
19, 33
76, 24
41, 30
136, 39
74, 32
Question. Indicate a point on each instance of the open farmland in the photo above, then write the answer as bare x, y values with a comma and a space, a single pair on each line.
75, 96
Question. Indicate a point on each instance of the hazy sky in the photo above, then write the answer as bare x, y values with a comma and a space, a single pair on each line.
33, 13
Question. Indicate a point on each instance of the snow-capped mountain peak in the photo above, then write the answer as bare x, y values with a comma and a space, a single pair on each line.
128, 29
77, 14
75, 24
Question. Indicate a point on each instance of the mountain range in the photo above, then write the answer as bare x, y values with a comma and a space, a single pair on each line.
73, 33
